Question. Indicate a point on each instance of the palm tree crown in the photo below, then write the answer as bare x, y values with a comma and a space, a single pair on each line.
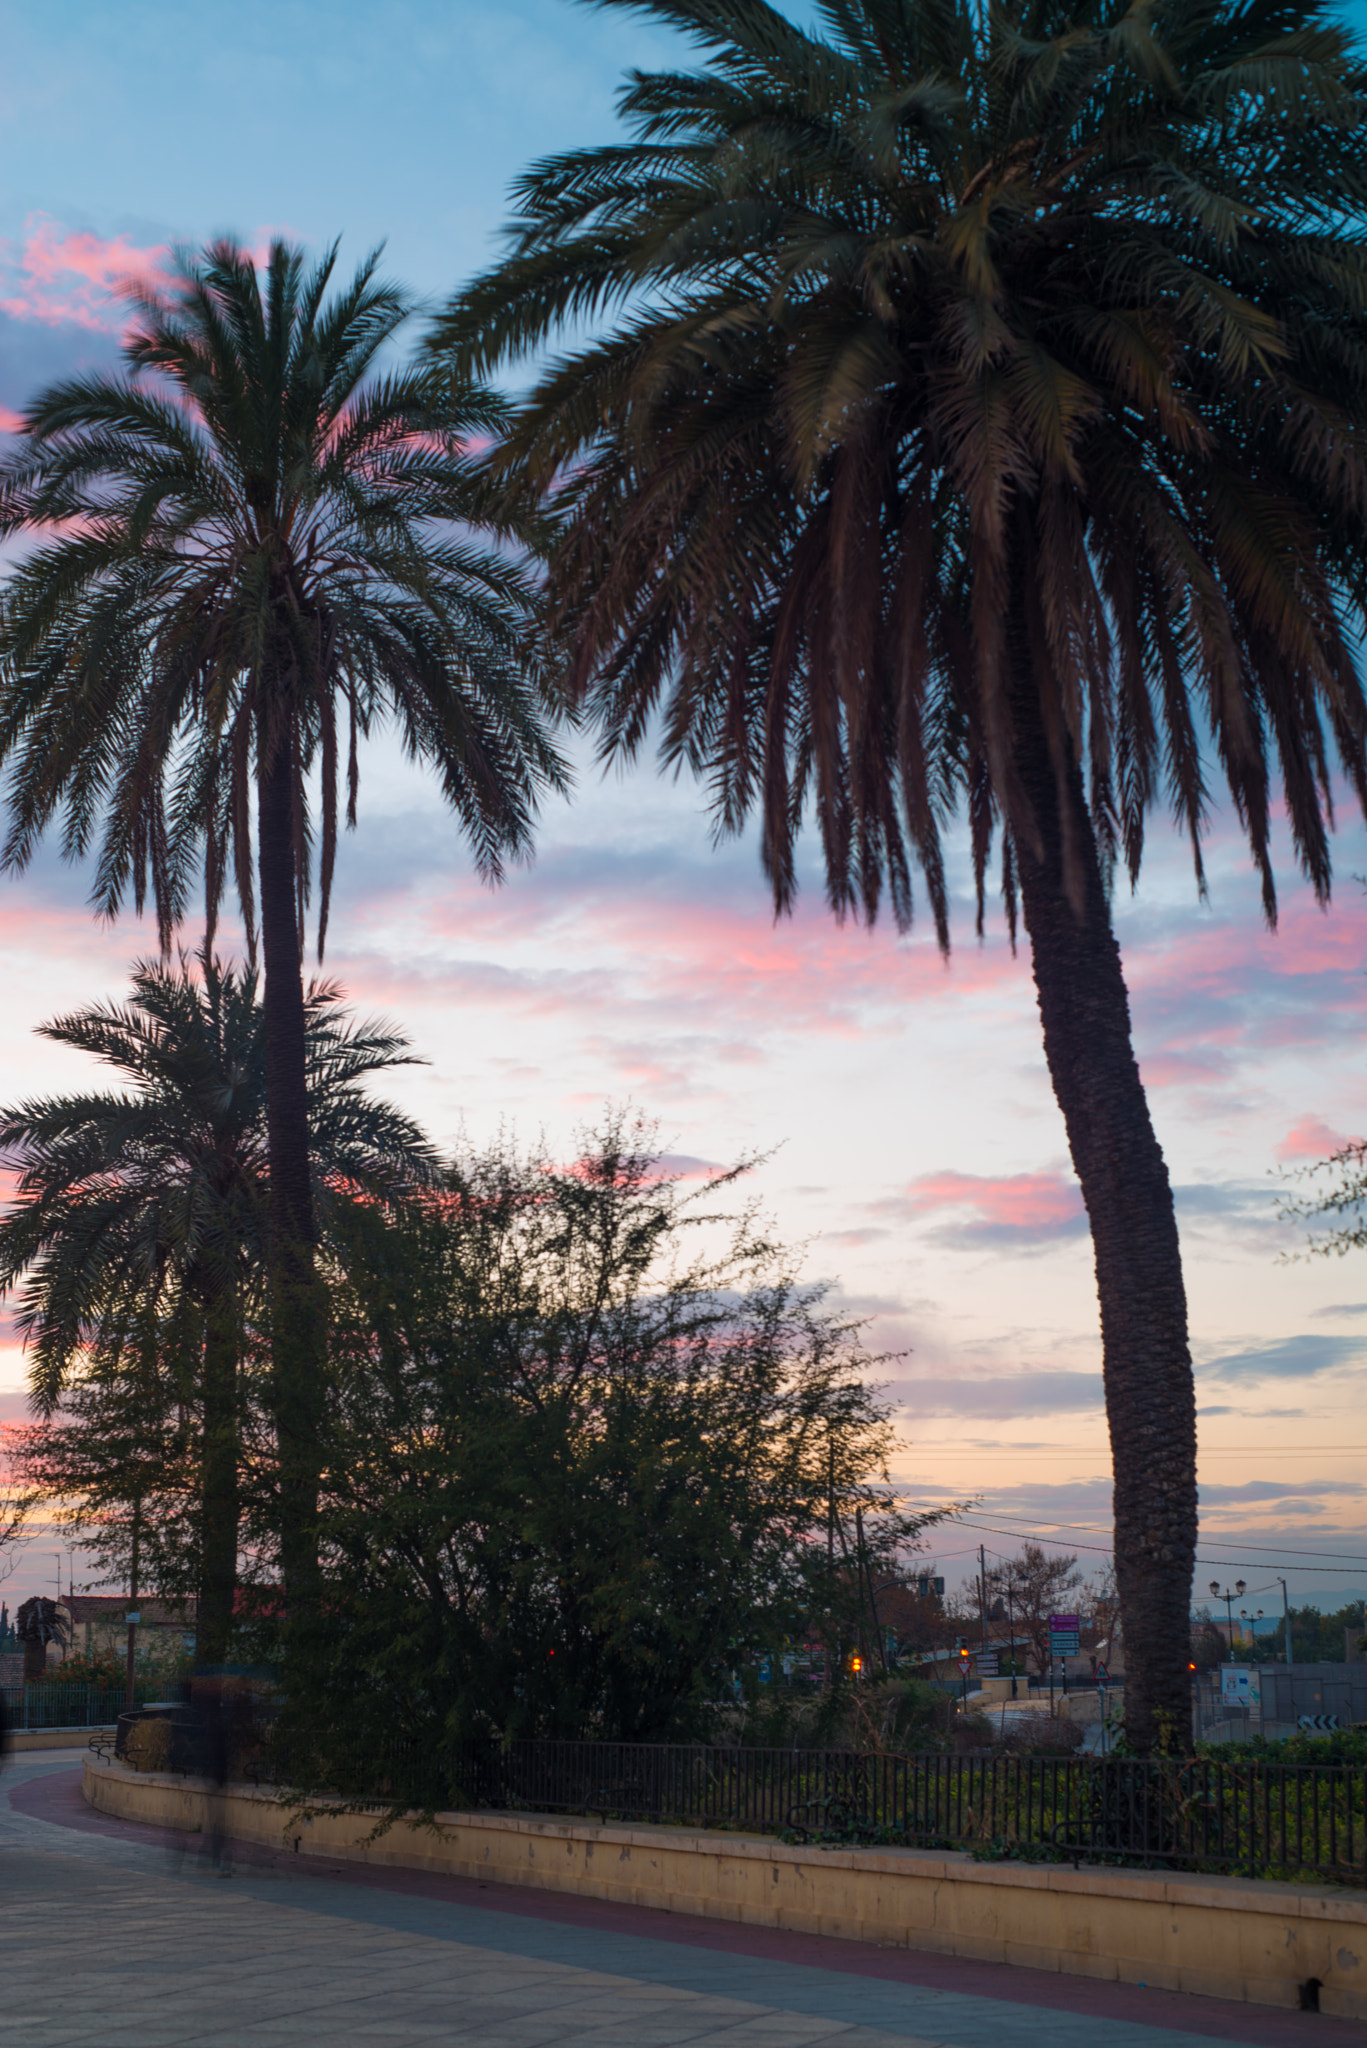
974, 417
128, 1202
263, 546
1068, 292
134, 1250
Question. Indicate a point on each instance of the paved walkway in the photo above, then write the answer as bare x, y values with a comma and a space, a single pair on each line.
111, 1934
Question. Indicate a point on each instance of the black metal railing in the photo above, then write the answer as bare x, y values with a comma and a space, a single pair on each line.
46, 1703
1253, 1818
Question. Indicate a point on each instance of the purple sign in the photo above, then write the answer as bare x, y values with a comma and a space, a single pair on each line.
1064, 1635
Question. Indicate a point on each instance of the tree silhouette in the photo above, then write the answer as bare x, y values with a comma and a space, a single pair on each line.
136, 1247
252, 549
972, 422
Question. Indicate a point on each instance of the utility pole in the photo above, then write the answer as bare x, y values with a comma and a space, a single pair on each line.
133, 1606
879, 1642
1011, 1622
832, 1639
982, 1592
830, 1509
1286, 1615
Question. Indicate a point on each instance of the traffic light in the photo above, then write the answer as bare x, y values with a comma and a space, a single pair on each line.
856, 1665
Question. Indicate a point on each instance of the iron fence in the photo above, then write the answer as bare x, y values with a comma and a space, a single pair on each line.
1248, 1818
47, 1705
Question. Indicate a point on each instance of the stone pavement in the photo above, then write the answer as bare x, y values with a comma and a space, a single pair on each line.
113, 1935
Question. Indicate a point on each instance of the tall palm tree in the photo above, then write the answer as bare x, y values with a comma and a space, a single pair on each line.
250, 549
147, 1210
972, 417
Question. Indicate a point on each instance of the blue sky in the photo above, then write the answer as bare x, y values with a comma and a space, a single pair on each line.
916, 1148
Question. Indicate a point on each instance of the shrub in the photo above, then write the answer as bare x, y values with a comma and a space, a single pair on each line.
580, 1474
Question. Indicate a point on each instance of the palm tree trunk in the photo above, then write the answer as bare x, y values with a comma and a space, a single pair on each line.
219, 1502
298, 1314
1150, 1391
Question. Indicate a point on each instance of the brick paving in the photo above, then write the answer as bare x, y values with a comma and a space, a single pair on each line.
114, 1934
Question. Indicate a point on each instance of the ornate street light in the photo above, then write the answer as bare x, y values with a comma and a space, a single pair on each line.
1229, 1598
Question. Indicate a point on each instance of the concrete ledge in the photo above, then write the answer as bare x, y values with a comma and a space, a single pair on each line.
21, 1739
1224, 1937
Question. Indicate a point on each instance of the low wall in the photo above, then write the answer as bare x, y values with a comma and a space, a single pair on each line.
21, 1739
1225, 1937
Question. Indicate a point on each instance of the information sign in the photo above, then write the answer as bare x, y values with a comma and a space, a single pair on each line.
1064, 1635
1240, 1686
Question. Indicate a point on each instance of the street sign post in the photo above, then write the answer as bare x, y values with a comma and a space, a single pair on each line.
1065, 1636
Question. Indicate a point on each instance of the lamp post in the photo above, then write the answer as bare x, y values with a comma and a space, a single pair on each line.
1229, 1598
1011, 1623
1286, 1616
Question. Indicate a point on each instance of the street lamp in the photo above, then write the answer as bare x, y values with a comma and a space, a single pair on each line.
1011, 1623
1229, 1599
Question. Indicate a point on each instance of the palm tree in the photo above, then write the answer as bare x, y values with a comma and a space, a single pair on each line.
147, 1210
250, 549
972, 419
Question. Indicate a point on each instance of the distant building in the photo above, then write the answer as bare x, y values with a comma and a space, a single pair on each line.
98, 1623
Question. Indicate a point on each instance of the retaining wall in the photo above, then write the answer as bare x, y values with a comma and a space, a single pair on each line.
55, 1738
1225, 1937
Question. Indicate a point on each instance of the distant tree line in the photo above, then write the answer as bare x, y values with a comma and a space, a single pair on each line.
1317, 1637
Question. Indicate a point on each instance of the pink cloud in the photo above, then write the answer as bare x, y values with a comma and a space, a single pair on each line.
10, 422
1020, 1200
666, 957
637, 948
984, 1210
65, 277
1311, 1138
666, 1166
1209, 994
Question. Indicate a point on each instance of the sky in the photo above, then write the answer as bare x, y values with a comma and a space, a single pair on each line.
910, 1139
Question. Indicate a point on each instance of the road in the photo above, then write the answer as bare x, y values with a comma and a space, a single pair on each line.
111, 1934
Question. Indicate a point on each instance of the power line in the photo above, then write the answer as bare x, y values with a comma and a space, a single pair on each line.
1221, 1563
1090, 1529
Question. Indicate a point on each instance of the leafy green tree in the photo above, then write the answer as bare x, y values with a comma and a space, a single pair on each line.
135, 1248
247, 552
971, 419
1316, 1637
580, 1475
